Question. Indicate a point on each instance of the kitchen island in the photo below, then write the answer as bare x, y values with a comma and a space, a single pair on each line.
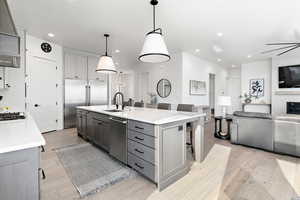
151, 141
20, 159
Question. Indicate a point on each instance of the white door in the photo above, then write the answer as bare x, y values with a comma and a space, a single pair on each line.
234, 90
42, 92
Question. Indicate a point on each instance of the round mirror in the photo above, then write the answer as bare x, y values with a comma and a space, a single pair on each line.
163, 88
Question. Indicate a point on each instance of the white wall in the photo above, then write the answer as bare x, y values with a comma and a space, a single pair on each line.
171, 70
182, 68
33, 46
195, 68
14, 96
279, 101
257, 70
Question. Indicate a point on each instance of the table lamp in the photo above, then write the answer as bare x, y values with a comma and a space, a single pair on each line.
224, 101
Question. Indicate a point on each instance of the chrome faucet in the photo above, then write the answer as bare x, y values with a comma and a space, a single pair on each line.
116, 102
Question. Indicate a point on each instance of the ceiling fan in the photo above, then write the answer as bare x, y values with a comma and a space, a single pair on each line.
286, 47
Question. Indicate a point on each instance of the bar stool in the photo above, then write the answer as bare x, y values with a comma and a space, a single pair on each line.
164, 106
188, 108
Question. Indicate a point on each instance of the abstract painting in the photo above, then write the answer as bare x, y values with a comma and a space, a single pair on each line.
257, 87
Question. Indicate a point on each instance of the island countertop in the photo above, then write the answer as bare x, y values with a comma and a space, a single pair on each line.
20, 134
147, 115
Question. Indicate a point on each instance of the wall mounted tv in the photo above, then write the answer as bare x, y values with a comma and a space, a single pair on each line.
289, 76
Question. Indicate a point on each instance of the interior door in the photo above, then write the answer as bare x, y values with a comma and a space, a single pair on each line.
42, 92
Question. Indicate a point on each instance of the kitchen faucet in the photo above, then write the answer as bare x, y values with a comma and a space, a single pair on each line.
117, 102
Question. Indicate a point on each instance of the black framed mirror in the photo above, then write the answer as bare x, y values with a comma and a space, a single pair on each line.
164, 88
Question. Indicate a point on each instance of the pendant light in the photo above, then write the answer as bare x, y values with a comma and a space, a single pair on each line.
154, 49
106, 64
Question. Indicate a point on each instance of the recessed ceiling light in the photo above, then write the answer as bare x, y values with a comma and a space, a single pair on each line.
233, 66
219, 34
117, 63
219, 59
51, 34
217, 49
117, 51
197, 50
249, 56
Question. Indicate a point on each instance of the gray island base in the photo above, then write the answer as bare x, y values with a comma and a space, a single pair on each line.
151, 141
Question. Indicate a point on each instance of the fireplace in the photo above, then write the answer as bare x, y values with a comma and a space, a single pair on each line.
293, 108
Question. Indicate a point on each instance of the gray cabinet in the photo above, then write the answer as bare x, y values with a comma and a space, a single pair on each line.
141, 148
81, 123
19, 175
101, 133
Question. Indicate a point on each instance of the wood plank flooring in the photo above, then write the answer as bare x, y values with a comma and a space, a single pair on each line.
228, 172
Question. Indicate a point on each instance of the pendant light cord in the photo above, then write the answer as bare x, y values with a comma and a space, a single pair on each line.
154, 18
106, 46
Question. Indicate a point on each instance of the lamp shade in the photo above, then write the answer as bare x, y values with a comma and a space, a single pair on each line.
154, 49
106, 65
224, 100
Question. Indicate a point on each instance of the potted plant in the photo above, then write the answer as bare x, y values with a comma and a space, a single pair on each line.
248, 98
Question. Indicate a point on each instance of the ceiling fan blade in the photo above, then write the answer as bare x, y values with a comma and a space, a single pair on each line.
288, 50
279, 49
283, 43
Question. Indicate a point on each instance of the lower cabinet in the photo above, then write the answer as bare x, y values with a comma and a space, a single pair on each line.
19, 175
101, 133
81, 123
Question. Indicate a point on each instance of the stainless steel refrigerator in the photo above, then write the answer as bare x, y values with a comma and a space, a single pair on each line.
82, 93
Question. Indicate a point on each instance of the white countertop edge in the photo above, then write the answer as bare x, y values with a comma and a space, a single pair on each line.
182, 116
23, 147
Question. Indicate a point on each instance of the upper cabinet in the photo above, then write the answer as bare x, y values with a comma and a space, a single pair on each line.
75, 66
92, 74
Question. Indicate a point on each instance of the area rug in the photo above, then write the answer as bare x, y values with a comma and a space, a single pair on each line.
90, 169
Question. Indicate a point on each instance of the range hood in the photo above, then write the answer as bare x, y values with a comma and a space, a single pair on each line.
9, 39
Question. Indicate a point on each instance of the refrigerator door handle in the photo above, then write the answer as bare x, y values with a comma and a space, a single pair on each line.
88, 95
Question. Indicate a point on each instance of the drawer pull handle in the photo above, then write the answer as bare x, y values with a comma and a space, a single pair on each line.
137, 127
138, 151
138, 166
139, 138
43, 173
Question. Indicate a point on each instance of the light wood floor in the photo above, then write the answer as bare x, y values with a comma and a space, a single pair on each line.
228, 172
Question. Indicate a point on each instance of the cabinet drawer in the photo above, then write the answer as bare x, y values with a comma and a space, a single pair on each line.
141, 151
143, 167
141, 138
141, 127
100, 117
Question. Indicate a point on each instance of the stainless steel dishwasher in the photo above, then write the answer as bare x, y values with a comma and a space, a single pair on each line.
118, 139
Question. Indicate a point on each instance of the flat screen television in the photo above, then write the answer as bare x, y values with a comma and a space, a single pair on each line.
289, 76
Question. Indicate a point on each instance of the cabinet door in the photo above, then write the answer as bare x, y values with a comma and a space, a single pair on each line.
2, 78
84, 125
78, 122
98, 129
92, 74
105, 136
75, 66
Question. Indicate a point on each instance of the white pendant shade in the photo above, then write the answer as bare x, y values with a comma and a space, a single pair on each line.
106, 65
154, 49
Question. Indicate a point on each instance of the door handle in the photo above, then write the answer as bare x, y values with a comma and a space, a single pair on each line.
36, 105
115, 120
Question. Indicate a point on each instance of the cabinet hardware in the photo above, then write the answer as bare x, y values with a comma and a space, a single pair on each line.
123, 122
43, 149
137, 127
138, 151
139, 138
138, 166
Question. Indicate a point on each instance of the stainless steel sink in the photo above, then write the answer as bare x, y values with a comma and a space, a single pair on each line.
113, 110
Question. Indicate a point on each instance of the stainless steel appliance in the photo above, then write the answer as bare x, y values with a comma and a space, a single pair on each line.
9, 39
82, 93
293, 108
118, 139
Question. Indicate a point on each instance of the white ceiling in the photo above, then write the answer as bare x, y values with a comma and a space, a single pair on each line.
187, 25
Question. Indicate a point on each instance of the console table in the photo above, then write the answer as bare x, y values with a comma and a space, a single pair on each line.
257, 107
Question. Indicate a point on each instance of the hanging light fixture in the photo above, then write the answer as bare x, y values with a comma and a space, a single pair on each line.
154, 49
106, 64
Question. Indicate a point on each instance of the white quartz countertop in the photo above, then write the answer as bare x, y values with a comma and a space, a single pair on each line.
19, 134
147, 115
